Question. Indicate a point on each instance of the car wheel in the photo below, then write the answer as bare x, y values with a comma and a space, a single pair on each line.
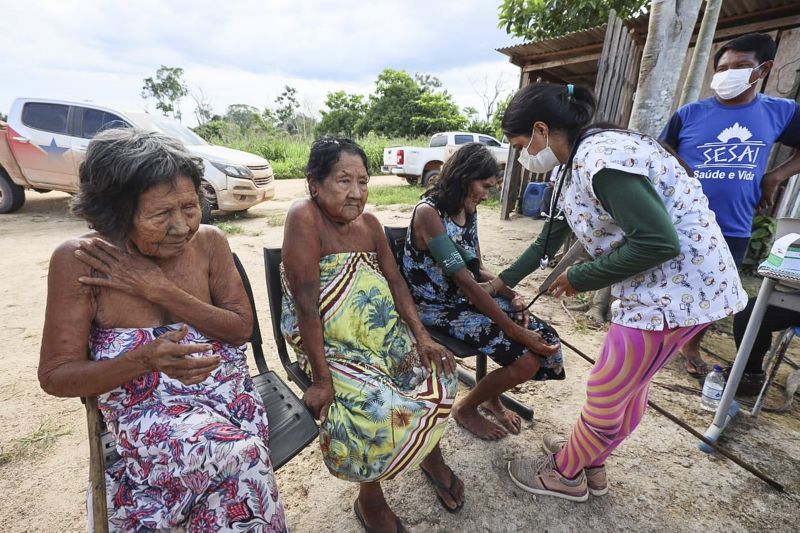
12, 196
208, 200
430, 178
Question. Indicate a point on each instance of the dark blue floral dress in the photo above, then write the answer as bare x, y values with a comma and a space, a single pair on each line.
442, 306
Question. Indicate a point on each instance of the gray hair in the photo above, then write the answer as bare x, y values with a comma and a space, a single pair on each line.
120, 165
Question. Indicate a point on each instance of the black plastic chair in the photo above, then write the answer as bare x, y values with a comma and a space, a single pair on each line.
272, 271
291, 426
397, 238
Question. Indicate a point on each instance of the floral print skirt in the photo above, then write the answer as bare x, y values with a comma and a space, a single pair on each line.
193, 458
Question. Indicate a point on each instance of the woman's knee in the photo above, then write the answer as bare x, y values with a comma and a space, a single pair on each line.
527, 365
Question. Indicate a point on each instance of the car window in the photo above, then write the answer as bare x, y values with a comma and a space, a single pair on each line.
438, 140
488, 141
463, 139
46, 117
95, 121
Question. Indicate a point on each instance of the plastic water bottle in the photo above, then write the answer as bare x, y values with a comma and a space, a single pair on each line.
712, 389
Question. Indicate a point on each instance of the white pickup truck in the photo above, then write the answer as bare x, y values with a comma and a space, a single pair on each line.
44, 142
416, 163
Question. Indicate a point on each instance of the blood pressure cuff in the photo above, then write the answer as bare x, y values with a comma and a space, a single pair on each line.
451, 257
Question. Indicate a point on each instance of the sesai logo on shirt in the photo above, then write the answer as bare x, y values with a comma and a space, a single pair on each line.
734, 156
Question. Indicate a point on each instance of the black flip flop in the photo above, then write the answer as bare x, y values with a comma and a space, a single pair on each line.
453, 482
398, 525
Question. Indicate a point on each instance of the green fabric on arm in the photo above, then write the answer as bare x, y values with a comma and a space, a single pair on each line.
446, 254
531, 258
650, 236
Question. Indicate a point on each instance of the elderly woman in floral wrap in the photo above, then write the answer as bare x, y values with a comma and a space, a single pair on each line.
156, 298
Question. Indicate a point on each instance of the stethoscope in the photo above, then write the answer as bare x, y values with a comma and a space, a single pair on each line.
555, 212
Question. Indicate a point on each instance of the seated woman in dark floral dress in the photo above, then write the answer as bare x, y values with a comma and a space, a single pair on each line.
442, 264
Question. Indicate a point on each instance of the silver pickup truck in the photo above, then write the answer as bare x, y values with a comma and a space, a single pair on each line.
43, 145
420, 164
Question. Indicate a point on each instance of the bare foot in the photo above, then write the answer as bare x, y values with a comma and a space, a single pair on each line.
477, 424
509, 419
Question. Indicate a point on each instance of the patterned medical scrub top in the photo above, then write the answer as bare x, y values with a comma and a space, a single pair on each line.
698, 286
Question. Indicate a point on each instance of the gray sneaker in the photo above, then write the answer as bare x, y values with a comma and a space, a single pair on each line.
539, 476
596, 478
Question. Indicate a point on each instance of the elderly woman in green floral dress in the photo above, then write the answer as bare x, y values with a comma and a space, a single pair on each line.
382, 388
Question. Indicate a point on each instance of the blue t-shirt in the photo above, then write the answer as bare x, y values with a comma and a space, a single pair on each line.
727, 147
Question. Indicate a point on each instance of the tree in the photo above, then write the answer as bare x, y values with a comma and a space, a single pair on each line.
427, 82
286, 109
436, 112
3, 117
343, 114
541, 19
203, 112
702, 49
392, 106
245, 116
167, 89
670, 28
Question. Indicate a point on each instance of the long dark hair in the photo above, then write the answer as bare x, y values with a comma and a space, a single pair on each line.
471, 162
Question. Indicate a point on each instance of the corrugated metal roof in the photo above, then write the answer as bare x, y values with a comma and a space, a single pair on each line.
732, 12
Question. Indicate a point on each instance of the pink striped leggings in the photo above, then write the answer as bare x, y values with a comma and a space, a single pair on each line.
617, 391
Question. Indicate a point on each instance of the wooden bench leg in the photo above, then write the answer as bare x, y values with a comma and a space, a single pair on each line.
508, 400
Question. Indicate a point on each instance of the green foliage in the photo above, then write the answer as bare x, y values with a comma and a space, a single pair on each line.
437, 112
167, 89
343, 114
406, 106
3, 117
246, 117
286, 109
392, 105
288, 154
761, 237
218, 131
542, 19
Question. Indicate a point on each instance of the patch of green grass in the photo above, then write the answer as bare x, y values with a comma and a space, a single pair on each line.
228, 227
288, 154
394, 195
34, 443
408, 195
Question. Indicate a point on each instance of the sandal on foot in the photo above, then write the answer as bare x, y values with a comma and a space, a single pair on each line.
448, 489
398, 525
699, 368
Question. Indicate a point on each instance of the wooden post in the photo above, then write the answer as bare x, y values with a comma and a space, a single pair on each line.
511, 180
97, 467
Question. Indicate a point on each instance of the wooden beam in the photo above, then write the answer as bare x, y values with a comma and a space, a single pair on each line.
586, 58
761, 26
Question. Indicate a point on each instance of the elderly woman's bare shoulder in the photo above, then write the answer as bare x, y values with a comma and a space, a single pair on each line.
304, 210
64, 255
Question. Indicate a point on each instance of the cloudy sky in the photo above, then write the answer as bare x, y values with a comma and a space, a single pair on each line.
241, 51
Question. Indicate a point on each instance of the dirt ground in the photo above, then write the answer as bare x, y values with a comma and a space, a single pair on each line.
659, 480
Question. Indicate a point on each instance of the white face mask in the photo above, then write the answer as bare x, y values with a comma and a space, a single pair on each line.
544, 161
732, 82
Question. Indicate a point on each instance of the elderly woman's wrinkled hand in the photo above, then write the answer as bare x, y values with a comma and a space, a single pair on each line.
431, 351
536, 343
128, 271
318, 398
521, 315
165, 355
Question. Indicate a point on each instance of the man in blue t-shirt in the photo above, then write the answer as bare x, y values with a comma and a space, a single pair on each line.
726, 140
